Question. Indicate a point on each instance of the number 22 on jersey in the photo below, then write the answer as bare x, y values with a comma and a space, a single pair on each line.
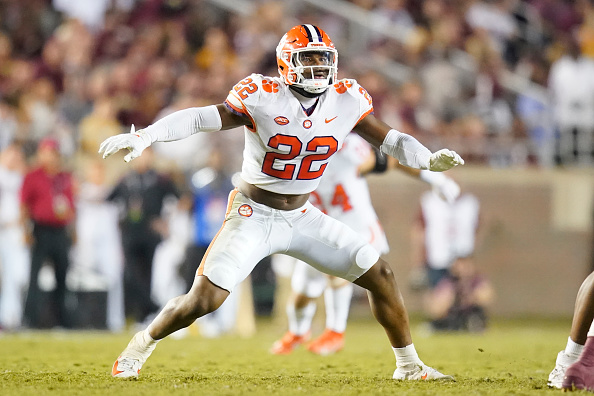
304, 169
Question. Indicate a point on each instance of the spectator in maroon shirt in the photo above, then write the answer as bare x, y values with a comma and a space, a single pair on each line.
47, 208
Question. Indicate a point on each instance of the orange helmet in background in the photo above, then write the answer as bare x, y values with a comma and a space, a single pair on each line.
296, 44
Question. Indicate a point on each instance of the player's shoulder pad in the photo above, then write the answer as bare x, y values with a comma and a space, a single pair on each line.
346, 85
255, 88
351, 87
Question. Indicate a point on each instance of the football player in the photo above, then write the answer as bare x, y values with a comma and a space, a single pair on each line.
574, 367
293, 126
343, 194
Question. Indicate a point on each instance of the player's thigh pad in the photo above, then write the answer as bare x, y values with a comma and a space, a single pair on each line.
239, 245
331, 246
365, 223
307, 280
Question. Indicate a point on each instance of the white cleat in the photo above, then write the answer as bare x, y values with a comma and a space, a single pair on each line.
126, 367
420, 372
130, 361
558, 374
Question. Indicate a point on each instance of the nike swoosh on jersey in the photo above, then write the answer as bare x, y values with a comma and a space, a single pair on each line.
330, 120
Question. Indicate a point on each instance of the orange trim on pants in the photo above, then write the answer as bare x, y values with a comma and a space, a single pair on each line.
232, 195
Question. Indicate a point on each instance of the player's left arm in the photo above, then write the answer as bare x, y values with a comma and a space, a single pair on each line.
377, 162
405, 148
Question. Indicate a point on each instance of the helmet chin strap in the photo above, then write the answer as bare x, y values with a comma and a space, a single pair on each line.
305, 93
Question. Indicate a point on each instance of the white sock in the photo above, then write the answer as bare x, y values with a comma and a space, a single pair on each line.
300, 318
146, 337
406, 356
338, 303
141, 346
573, 350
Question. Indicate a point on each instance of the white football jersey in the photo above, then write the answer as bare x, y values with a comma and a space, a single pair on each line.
450, 228
10, 187
287, 151
344, 194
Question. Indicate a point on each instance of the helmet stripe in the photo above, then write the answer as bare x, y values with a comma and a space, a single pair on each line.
319, 33
309, 37
313, 34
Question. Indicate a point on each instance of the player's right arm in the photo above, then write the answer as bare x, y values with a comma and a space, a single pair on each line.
178, 125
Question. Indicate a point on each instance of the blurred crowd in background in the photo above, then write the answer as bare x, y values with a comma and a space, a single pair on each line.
497, 80
505, 83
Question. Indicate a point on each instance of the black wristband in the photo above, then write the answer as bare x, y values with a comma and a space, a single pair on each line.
381, 162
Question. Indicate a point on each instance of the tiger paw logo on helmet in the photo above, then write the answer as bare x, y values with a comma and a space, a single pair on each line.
307, 59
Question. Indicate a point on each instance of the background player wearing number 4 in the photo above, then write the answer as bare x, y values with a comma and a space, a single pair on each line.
293, 125
344, 195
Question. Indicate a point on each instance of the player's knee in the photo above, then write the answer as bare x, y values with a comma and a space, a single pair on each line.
378, 279
382, 273
385, 271
301, 301
203, 298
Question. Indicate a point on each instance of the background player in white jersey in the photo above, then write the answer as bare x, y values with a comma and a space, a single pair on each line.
14, 253
98, 249
456, 294
293, 125
344, 195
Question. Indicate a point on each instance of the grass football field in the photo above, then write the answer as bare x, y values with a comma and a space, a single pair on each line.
514, 357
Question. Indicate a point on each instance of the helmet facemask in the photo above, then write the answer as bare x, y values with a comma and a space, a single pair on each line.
310, 68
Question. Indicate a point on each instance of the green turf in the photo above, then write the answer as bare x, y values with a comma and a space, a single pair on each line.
511, 358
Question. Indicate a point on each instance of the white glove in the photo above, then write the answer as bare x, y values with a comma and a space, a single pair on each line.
443, 160
133, 141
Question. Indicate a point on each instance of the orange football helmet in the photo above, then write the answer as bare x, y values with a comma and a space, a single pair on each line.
307, 58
